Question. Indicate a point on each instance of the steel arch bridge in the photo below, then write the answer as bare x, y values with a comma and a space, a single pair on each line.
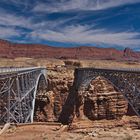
18, 89
127, 81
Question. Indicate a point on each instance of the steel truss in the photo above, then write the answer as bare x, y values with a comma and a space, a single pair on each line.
124, 80
18, 88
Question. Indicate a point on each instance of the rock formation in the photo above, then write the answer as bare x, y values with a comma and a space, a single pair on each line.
12, 50
49, 103
101, 101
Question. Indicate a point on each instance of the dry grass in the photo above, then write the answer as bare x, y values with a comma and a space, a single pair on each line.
109, 64
29, 62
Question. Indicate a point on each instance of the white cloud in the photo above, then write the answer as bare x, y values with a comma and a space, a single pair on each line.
80, 5
24, 3
9, 22
10, 19
49, 24
7, 19
8, 32
83, 35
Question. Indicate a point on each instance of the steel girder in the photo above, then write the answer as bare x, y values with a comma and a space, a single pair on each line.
18, 90
127, 81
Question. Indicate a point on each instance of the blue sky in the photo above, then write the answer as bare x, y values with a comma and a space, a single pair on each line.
67, 23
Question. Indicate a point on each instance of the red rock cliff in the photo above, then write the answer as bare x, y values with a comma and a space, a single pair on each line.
11, 50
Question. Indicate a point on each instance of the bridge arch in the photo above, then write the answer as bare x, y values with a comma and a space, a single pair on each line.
41, 78
126, 81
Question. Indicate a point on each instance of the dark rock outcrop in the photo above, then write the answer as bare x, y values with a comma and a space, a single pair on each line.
130, 54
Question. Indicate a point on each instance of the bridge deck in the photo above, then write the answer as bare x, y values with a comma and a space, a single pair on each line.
11, 70
136, 70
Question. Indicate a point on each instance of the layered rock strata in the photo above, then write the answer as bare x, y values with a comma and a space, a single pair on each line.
13, 50
50, 103
101, 101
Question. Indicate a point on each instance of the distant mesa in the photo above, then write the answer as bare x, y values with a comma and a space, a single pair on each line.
13, 50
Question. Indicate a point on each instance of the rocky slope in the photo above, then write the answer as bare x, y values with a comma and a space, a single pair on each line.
12, 50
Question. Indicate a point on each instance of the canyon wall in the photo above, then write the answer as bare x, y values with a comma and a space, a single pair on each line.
13, 50
100, 101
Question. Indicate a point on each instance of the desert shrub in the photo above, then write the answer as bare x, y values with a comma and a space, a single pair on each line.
77, 64
73, 63
128, 137
68, 63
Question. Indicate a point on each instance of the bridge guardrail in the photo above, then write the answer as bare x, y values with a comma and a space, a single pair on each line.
9, 70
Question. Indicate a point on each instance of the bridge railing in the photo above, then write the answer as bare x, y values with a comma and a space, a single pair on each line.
11, 69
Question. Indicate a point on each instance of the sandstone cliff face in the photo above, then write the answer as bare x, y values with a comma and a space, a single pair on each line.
11, 50
49, 103
101, 101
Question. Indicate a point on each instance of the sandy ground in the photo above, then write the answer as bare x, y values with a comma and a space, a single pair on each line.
30, 62
55, 132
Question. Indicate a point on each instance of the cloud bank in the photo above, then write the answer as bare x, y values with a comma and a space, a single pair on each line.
83, 35
69, 5
79, 22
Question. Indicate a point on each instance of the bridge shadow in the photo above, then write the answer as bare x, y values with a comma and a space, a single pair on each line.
67, 114
130, 111
40, 106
